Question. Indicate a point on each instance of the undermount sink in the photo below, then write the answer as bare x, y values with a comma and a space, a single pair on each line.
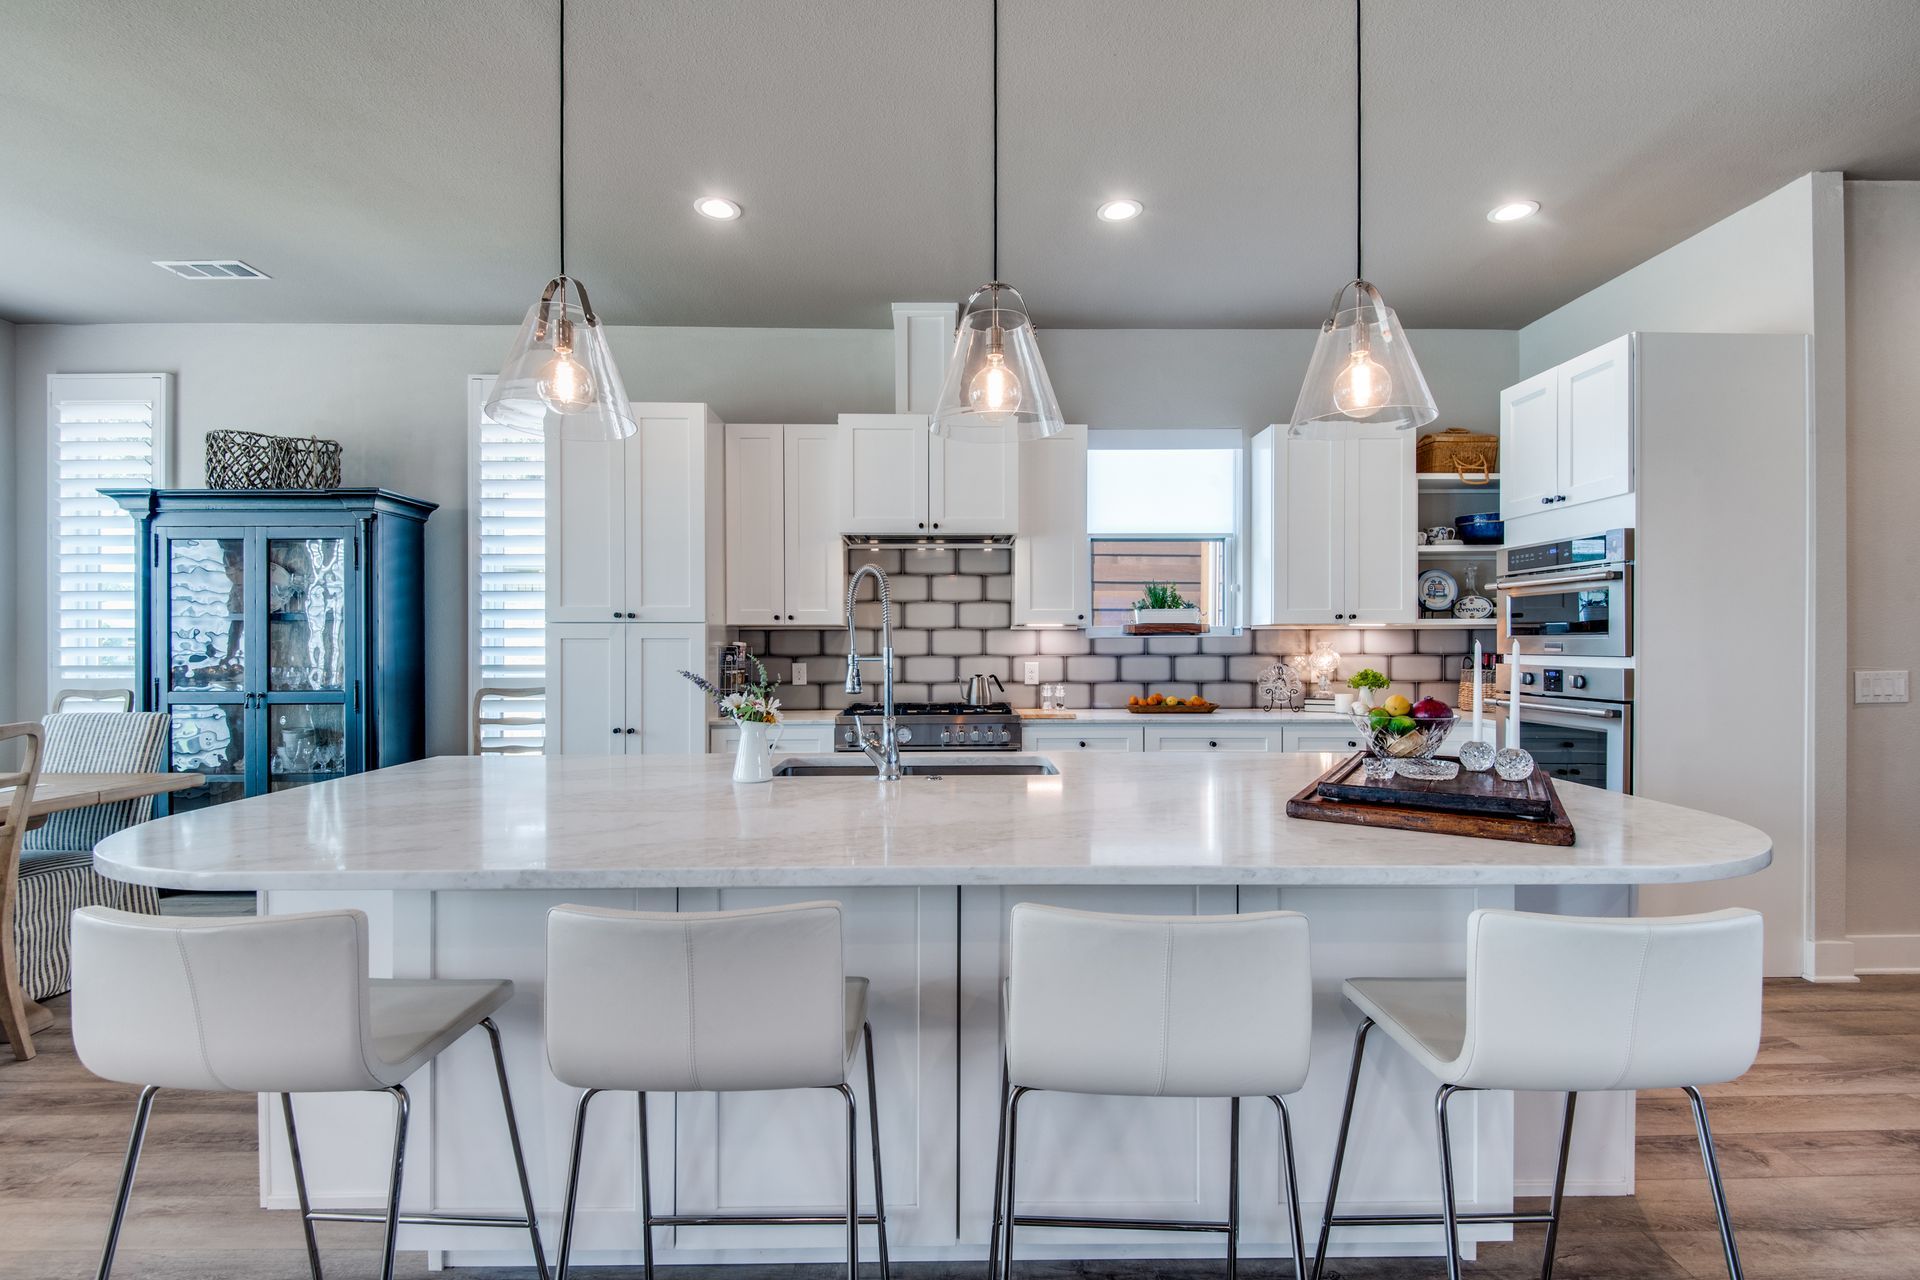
931, 766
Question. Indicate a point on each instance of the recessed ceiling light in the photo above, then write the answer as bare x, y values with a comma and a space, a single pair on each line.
1513, 211
211, 269
717, 208
1120, 210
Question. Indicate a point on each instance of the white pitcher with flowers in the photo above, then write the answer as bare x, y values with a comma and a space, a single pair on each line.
756, 713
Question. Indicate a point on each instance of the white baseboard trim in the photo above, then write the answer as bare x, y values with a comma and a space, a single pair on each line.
1575, 1187
1886, 952
1828, 960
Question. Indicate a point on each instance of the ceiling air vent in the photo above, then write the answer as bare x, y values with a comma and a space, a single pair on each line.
223, 269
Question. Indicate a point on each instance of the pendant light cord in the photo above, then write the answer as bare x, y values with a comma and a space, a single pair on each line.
1359, 78
563, 137
996, 140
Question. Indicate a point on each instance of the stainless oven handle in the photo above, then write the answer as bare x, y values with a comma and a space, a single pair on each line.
1559, 708
1560, 579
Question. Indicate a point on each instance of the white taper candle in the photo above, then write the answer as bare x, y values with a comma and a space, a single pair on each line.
1513, 700
1479, 709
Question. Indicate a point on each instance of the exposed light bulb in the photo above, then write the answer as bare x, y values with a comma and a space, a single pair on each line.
565, 385
1363, 386
994, 389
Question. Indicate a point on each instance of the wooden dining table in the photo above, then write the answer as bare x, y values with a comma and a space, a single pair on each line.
58, 792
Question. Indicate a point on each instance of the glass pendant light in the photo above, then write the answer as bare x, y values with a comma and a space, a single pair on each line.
559, 378
996, 385
1363, 369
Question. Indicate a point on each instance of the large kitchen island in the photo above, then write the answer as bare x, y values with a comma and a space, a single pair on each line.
456, 861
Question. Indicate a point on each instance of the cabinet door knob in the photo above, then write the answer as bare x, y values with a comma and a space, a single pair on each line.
616, 731
936, 524
616, 615
1213, 744
629, 729
1546, 502
923, 524
1083, 745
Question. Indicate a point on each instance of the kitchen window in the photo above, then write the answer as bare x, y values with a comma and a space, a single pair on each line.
509, 584
1165, 506
104, 431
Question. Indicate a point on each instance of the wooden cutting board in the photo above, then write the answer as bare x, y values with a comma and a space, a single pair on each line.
1404, 813
1036, 713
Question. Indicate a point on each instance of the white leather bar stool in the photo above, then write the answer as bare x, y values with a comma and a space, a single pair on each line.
1569, 1004
1153, 1007
709, 1002
279, 1004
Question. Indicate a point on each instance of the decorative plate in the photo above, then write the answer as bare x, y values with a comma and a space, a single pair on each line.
1473, 607
1280, 688
1438, 590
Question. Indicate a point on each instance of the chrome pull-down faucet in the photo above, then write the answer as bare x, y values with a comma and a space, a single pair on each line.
883, 749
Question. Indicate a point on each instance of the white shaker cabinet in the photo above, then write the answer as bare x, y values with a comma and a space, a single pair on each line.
1566, 435
615, 689
902, 480
1052, 566
786, 487
1333, 526
1224, 737
634, 528
1065, 735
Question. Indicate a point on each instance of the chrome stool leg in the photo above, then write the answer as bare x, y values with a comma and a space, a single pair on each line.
1712, 1163
1449, 1213
1340, 1144
853, 1184
573, 1182
141, 1113
1293, 1188
401, 1106
1233, 1189
1013, 1203
519, 1157
873, 1133
646, 1195
300, 1186
999, 1178
1559, 1188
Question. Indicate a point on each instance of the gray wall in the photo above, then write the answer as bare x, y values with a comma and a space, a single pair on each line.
395, 395
10, 481
1883, 528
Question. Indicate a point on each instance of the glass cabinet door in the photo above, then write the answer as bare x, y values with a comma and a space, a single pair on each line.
202, 588
308, 689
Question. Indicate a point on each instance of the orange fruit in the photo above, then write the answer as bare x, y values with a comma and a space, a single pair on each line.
1134, 700
1156, 700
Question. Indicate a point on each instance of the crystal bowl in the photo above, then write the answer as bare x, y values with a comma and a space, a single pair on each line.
1420, 743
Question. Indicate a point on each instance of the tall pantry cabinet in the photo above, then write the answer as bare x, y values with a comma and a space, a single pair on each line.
635, 584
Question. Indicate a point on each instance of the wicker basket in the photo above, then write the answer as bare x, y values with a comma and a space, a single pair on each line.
240, 460
255, 460
1465, 703
308, 463
1474, 458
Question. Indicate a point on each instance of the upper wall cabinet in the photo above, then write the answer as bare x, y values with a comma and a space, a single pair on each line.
1566, 435
786, 504
1052, 567
1332, 529
634, 530
902, 480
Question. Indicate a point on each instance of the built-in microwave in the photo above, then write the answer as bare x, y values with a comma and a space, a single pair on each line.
1572, 597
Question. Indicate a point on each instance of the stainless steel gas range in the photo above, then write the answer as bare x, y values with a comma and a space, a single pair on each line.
935, 726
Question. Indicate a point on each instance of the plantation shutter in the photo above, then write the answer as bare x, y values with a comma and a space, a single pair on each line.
510, 580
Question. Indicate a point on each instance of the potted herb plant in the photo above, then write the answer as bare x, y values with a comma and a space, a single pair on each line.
1162, 603
1365, 683
756, 711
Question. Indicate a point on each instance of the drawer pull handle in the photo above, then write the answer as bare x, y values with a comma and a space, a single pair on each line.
1083, 744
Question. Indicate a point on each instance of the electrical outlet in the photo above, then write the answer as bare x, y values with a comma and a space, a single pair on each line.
1879, 686
799, 673
1033, 672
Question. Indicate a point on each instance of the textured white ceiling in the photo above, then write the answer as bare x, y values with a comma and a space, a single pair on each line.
394, 160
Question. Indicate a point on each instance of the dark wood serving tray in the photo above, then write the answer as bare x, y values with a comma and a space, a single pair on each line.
1404, 804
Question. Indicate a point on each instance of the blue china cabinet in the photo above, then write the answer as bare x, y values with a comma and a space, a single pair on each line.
284, 632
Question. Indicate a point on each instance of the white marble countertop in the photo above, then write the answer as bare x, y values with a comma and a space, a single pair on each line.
575, 822
1111, 715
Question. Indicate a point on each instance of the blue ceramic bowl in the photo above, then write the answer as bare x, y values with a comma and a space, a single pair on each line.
1482, 529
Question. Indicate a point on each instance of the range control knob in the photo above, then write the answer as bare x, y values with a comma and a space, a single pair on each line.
1526, 678
945, 737
975, 735
1006, 735
903, 735
1579, 682
849, 737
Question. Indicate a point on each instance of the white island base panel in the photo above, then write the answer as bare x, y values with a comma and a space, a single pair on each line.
936, 957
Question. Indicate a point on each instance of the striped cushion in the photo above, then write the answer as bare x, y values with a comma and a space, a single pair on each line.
42, 916
56, 860
93, 742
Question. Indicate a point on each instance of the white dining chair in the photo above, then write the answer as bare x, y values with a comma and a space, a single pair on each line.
1568, 1004
277, 1004
715, 1001
1153, 1007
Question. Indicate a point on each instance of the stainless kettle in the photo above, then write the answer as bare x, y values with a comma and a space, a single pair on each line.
977, 695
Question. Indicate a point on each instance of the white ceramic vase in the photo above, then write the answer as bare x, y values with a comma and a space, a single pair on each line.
753, 758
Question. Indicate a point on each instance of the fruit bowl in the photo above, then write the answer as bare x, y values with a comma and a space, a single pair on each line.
1404, 744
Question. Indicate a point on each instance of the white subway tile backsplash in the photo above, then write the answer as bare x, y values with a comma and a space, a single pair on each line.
1064, 642
986, 561
929, 669
931, 616
1416, 667
1146, 667
1280, 644
1343, 640
986, 614
1103, 695
1200, 667
1228, 694
959, 586
1120, 646
1093, 670
1383, 641
1013, 643
1448, 640
959, 643
1227, 644
916, 560
912, 644
794, 644
905, 590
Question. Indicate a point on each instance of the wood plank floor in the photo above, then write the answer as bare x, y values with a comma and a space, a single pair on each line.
1820, 1144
